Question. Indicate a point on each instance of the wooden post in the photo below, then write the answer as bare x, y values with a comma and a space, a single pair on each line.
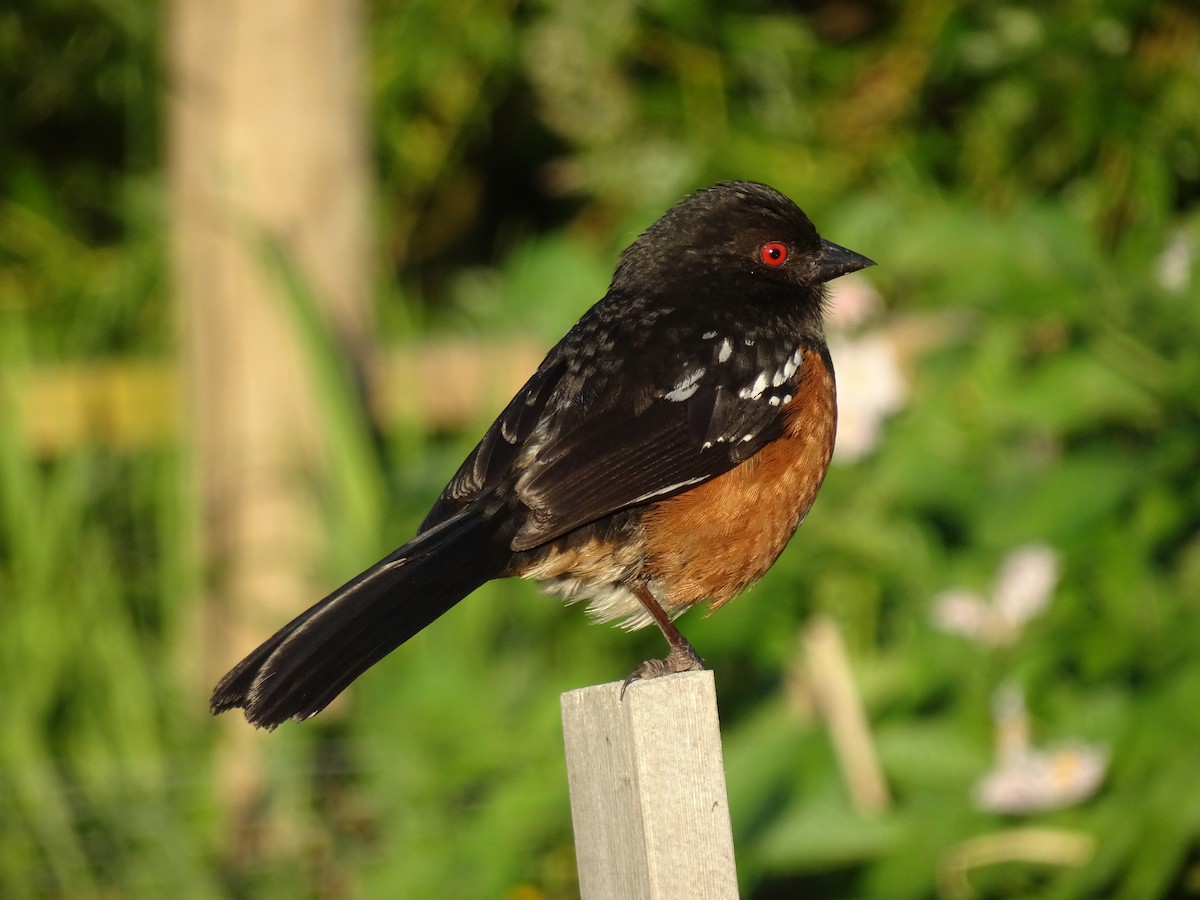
648, 796
266, 139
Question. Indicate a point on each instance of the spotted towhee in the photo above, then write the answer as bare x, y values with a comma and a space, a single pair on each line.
663, 453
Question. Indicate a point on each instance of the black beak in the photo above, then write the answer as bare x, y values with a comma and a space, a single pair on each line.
836, 261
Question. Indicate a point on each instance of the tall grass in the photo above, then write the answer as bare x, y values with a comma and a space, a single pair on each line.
104, 771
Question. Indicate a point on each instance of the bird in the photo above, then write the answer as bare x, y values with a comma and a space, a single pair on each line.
662, 454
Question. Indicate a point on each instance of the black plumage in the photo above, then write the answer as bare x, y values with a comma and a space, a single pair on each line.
681, 373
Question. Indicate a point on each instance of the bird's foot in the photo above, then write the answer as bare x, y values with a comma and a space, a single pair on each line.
682, 658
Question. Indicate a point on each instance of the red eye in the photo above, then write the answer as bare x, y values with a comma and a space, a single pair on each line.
774, 254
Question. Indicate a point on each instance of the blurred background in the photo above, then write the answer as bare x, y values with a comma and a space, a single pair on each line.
268, 270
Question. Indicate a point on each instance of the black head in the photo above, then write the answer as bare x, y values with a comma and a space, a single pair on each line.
739, 231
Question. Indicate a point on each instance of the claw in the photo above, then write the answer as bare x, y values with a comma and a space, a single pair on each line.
682, 658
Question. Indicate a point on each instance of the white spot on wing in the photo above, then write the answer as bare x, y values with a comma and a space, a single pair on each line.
754, 391
789, 367
686, 386
666, 490
709, 335
725, 350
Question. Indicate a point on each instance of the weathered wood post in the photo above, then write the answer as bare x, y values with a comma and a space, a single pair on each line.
648, 796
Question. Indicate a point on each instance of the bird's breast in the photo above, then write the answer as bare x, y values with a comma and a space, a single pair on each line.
713, 540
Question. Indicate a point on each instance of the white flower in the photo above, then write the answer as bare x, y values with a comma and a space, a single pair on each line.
852, 300
871, 382
1037, 780
1026, 779
1023, 589
871, 387
1174, 266
1025, 584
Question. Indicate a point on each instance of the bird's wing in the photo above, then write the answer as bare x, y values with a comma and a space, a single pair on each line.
595, 432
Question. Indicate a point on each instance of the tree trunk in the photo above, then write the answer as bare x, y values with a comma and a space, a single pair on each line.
265, 143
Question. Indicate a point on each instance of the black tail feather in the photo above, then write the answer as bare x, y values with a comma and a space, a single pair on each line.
300, 669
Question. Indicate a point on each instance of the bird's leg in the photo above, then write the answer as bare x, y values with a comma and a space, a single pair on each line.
682, 656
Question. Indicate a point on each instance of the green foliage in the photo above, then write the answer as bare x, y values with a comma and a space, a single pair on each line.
1026, 177
104, 782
